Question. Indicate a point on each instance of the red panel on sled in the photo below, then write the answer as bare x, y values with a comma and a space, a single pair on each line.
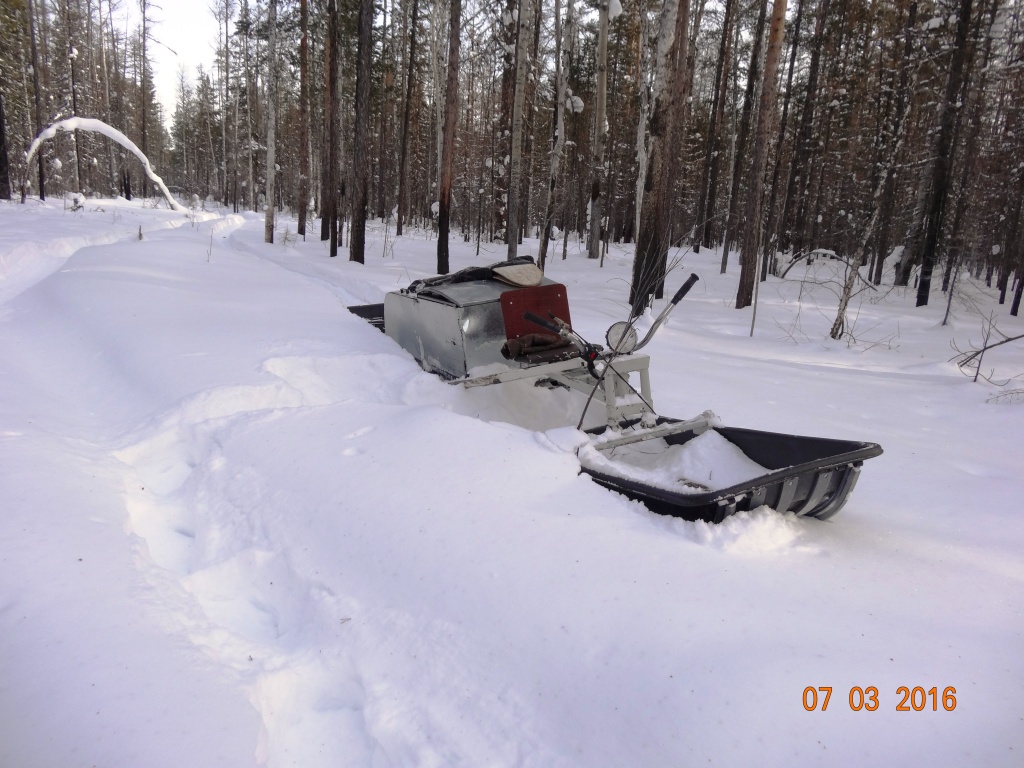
543, 300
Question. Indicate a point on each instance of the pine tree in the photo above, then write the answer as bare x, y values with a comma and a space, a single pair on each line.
5, 172
941, 161
448, 149
516, 152
713, 145
303, 202
403, 147
558, 133
269, 204
600, 140
653, 239
755, 188
37, 93
360, 144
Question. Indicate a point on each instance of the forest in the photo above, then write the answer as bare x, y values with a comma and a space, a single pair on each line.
883, 133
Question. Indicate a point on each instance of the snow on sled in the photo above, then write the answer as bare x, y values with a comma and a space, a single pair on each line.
809, 476
507, 322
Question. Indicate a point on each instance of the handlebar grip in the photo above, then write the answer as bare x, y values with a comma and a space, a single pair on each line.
685, 288
538, 320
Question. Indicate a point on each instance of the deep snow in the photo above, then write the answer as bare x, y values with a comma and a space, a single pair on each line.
242, 527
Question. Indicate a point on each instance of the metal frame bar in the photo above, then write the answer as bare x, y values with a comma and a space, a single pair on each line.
574, 374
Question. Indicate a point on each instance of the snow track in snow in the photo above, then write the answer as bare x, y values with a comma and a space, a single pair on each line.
24, 263
203, 522
208, 515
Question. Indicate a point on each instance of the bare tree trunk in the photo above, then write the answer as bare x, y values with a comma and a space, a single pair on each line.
968, 166
268, 205
250, 183
234, 144
652, 240
889, 191
227, 80
72, 58
755, 192
773, 238
437, 46
709, 178
559, 134
213, 158
741, 144
338, 160
939, 191
451, 100
333, 172
509, 37
644, 98
600, 137
387, 79
144, 8
403, 149
516, 159
801, 145
1018, 292
106, 99
328, 151
38, 100
5, 172
526, 185
303, 117
360, 144
234, 149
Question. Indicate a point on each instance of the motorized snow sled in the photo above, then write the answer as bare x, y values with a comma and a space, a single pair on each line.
506, 322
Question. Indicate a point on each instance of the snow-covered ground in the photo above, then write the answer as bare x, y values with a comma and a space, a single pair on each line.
239, 526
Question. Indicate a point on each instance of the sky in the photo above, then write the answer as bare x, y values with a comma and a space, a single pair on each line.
185, 33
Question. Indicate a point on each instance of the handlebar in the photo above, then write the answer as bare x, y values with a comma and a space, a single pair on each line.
685, 288
545, 324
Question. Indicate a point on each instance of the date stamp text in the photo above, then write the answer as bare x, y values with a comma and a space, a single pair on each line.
916, 699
